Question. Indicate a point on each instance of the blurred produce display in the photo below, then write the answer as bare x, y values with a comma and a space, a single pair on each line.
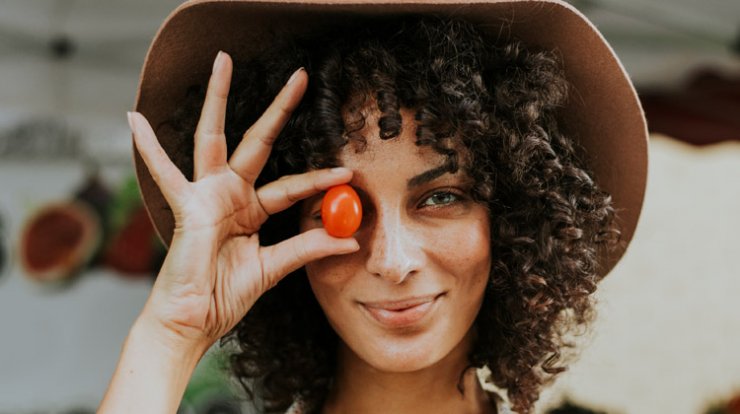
96, 226
58, 240
704, 111
4, 255
728, 406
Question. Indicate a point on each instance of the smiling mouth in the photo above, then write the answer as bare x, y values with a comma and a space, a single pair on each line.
401, 313
403, 303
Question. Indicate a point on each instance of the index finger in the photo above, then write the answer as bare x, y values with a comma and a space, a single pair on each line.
252, 152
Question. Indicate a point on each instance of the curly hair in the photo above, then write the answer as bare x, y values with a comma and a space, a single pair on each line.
550, 222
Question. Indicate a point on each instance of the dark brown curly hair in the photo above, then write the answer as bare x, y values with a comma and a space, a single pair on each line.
550, 221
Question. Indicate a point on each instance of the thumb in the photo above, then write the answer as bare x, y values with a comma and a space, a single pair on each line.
282, 258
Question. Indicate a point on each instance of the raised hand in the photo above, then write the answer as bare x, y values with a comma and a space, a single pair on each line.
215, 268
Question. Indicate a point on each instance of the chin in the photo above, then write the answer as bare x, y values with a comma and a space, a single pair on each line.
402, 353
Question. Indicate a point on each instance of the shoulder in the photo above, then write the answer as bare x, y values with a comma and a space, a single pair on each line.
503, 408
498, 395
298, 407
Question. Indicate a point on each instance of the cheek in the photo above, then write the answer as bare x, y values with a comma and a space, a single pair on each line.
329, 278
464, 252
465, 245
466, 257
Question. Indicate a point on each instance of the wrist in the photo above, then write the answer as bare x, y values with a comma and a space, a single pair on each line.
168, 342
152, 373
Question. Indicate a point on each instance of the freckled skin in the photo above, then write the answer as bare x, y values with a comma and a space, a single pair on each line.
411, 244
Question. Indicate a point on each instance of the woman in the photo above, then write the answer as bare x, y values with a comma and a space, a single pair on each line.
484, 231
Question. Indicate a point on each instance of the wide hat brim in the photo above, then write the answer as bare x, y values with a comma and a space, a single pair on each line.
602, 113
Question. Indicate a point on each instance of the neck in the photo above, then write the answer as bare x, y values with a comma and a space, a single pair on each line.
360, 388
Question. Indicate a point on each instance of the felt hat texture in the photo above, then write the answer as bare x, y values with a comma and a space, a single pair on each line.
603, 112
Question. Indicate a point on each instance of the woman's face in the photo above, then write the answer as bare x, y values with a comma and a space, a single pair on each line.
410, 295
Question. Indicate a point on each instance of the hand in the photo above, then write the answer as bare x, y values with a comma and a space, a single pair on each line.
215, 268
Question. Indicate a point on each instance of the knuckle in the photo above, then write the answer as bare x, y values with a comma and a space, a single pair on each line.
300, 251
316, 186
268, 139
220, 94
209, 134
290, 194
260, 214
284, 111
246, 133
248, 176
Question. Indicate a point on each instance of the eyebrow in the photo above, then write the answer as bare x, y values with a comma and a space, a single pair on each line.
429, 175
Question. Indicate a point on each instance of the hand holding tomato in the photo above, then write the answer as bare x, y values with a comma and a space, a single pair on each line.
216, 268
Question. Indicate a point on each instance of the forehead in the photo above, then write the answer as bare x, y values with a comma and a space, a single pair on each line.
373, 157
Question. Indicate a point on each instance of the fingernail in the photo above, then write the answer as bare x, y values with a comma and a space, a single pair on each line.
339, 170
218, 60
129, 115
293, 76
350, 246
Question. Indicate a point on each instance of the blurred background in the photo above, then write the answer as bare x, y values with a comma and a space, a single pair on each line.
667, 339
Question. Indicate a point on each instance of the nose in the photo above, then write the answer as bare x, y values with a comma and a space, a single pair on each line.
395, 248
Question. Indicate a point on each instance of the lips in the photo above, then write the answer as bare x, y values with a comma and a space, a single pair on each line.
400, 304
405, 312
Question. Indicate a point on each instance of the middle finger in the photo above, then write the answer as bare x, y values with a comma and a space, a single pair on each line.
210, 143
252, 152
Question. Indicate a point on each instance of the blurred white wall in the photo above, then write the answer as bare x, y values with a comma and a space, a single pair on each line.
667, 339
58, 347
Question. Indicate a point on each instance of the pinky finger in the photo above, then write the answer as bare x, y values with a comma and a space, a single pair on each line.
280, 259
169, 178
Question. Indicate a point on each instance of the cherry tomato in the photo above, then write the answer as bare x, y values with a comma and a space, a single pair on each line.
341, 211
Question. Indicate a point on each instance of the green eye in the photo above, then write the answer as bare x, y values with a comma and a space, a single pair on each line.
441, 198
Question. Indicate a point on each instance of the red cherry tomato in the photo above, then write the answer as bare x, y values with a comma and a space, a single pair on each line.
341, 211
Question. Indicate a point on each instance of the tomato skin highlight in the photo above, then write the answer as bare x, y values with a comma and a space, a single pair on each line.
341, 211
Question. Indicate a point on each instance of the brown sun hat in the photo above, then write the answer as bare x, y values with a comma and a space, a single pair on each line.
602, 112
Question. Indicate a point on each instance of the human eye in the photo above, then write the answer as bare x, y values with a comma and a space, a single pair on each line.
312, 207
441, 198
